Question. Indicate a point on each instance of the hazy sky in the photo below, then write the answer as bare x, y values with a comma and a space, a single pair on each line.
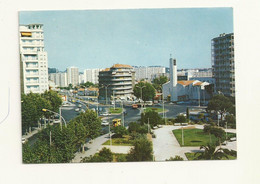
141, 37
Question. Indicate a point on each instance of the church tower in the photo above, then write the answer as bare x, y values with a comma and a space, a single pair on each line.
173, 80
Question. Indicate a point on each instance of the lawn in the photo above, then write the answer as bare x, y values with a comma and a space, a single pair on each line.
125, 141
115, 111
191, 156
147, 109
195, 137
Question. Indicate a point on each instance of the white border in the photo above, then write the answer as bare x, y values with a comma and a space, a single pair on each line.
243, 170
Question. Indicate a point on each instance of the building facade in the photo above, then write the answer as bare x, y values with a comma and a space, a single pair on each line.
147, 73
73, 76
33, 58
223, 64
116, 82
60, 79
91, 75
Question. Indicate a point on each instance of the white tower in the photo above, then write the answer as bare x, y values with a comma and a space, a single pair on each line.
173, 80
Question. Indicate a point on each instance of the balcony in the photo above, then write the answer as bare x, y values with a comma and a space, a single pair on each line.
32, 66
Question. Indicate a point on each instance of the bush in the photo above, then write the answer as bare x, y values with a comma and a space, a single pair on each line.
121, 158
180, 119
119, 131
176, 158
137, 127
142, 150
104, 155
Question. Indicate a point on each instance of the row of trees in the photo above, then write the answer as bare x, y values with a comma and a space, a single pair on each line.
55, 145
32, 105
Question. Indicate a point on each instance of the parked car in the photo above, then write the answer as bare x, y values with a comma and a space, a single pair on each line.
79, 105
104, 114
56, 121
77, 109
105, 123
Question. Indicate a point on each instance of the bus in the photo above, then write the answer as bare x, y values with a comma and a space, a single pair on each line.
116, 122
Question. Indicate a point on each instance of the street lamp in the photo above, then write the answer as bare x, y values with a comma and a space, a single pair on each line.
141, 87
106, 86
45, 110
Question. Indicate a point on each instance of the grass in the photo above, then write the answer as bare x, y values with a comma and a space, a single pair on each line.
191, 156
115, 111
147, 109
125, 141
195, 137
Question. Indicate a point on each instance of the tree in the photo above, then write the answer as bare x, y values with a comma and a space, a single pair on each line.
176, 158
137, 128
32, 105
159, 81
119, 131
148, 91
231, 120
188, 113
54, 99
104, 155
180, 119
154, 118
216, 131
142, 150
87, 84
221, 104
211, 153
91, 122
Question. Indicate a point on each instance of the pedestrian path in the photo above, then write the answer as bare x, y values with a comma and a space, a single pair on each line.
91, 148
165, 145
118, 149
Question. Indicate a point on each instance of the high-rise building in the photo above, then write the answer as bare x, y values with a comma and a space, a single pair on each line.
223, 64
117, 81
91, 75
148, 72
73, 75
33, 57
60, 79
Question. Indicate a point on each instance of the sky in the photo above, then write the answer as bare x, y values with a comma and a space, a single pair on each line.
138, 37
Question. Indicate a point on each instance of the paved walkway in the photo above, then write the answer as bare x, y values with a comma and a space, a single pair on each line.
92, 148
165, 145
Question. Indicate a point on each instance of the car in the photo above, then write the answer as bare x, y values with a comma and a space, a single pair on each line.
104, 114
56, 121
79, 105
82, 110
105, 123
77, 109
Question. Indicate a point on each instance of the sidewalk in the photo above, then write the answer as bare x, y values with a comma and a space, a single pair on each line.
92, 148
165, 145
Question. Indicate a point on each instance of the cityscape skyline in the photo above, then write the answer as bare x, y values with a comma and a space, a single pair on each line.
84, 38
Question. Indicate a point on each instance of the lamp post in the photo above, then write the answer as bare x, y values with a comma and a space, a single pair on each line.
199, 95
141, 87
105, 86
45, 110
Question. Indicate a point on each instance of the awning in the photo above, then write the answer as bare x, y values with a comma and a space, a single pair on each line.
28, 34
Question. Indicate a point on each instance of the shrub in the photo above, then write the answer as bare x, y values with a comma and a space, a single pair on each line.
180, 119
176, 158
119, 131
142, 150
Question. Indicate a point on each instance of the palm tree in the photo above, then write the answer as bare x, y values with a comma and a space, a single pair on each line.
211, 152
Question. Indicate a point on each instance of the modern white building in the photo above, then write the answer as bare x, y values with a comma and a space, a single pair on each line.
33, 57
148, 72
73, 76
91, 75
183, 90
60, 79
81, 78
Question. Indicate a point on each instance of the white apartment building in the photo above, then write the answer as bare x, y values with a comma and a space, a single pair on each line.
81, 78
91, 75
73, 75
60, 79
148, 73
33, 57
